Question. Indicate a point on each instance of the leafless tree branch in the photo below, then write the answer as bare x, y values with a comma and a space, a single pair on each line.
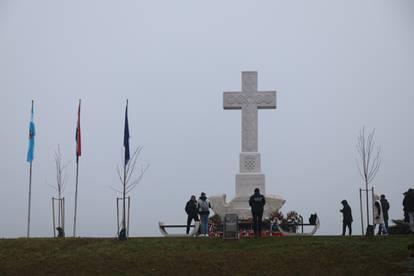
359, 168
61, 175
369, 154
138, 179
116, 190
118, 170
131, 180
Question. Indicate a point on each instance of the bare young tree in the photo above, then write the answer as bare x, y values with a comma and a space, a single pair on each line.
129, 180
60, 187
60, 173
369, 159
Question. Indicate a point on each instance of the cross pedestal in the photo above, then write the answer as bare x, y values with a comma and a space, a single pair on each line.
249, 100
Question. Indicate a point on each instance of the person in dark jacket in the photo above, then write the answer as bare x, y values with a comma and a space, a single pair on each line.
408, 204
257, 202
347, 217
191, 209
385, 205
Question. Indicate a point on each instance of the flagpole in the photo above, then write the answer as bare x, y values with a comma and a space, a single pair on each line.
30, 160
29, 203
78, 143
76, 196
124, 192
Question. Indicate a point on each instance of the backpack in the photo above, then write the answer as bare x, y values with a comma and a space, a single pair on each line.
204, 206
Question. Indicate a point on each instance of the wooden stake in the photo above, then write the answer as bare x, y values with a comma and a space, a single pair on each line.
360, 205
53, 217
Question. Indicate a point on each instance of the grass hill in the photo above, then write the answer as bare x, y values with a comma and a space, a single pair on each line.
317, 255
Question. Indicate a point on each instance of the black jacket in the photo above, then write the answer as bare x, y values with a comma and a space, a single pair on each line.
347, 214
256, 202
385, 207
191, 208
408, 202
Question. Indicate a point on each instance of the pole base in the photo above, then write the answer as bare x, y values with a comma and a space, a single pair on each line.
122, 235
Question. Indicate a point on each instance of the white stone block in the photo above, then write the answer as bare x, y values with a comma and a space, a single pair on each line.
247, 182
249, 162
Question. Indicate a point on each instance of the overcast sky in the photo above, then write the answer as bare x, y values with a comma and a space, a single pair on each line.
336, 66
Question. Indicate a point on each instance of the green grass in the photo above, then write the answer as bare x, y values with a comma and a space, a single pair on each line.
167, 256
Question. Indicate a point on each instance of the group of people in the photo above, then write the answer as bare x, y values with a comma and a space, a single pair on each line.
380, 213
200, 210
202, 207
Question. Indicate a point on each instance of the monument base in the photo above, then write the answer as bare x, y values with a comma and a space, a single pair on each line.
240, 206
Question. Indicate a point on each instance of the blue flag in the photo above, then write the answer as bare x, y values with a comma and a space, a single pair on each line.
126, 136
32, 133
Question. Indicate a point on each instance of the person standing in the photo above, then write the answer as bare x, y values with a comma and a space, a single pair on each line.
257, 202
378, 216
408, 204
204, 211
347, 217
385, 205
191, 209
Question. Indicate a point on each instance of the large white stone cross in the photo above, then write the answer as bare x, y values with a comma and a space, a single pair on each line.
250, 177
249, 100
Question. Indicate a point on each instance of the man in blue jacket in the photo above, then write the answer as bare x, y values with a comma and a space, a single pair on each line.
256, 202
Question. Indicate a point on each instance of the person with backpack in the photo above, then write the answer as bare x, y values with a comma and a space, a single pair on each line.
204, 211
347, 217
385, 205
257, 202
191, 208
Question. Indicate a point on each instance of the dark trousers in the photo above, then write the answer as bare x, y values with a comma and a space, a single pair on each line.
257, 223
189, 219
344, 225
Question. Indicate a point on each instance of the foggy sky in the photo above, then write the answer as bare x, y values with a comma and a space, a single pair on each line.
336, 66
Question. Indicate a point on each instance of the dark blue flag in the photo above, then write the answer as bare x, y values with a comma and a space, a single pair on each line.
126, 136
78, 135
